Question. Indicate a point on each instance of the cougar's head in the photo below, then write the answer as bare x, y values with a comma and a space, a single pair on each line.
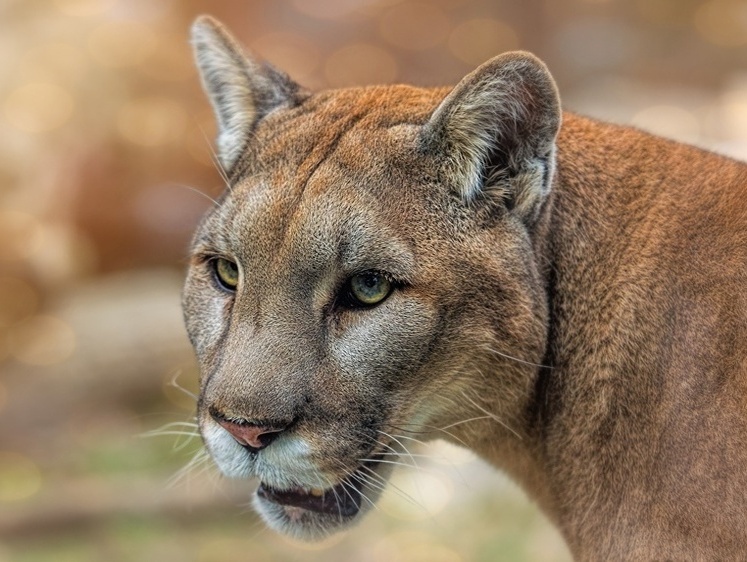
368, 276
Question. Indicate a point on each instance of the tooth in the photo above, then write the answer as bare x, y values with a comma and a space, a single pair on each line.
316, 492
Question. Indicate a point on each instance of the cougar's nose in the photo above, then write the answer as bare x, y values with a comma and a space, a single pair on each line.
252, 434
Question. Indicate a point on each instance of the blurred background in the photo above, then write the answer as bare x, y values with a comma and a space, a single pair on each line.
105, 167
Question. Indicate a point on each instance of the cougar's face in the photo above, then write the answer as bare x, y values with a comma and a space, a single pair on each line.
314, 324
329, 322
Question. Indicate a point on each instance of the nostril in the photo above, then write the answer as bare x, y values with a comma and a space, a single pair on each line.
249, 433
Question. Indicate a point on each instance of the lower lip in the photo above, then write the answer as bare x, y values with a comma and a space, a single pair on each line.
344, 500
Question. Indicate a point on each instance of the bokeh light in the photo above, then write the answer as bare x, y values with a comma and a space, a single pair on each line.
669, 121
20, 235
475, 41
168, 60
416, 496
223, 549
360, 63
38, 107
197, 140
734, 109
20, 477
447, 454
328, 9
313, 546
413, 546
296, 56
414, 26
62, 62
119, 44
42, 340
63, 252
658, 11
723, 22
152, 121
83, 8
18, 300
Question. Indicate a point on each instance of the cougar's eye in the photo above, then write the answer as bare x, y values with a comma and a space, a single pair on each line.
368, 288
226, 273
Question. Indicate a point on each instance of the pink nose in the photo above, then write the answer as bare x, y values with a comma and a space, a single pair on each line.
250, 435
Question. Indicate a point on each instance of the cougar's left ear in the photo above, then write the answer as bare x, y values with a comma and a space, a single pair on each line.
495, 132
242, 89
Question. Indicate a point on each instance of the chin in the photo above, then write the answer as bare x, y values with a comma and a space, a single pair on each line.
300, 523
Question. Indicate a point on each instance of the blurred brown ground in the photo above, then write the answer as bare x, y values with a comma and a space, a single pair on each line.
105, 167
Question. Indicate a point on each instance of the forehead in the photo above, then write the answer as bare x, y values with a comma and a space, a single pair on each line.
342, 125
336, 171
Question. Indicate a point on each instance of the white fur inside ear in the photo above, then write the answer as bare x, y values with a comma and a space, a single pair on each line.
476, 127
499, 125
224, 71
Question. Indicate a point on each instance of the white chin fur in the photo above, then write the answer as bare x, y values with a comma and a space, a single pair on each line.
302, 524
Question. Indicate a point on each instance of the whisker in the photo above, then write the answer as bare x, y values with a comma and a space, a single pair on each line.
373, 481
404, 495
190, 432
418, 441
214, 157
337, 498
173, 382
507, 356
157, 433
400, 454
199, 460
190, 188
361, 492
491, 415
432, 428
391, 462
176, 424
467, 421
404, 448
366, 481
387, 446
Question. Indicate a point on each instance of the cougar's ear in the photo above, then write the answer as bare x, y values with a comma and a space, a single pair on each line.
495, 132
241, 89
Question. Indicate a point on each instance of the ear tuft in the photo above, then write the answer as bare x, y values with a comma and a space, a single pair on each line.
496, 132
241, 89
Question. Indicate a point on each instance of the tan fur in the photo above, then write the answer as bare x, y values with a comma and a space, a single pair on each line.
584, 298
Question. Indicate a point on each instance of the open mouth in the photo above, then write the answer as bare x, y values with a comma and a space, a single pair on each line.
342, 500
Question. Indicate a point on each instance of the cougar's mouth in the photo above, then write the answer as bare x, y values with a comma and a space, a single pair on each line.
343, 500
313, 512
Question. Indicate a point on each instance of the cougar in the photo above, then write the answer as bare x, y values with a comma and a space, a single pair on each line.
389, 261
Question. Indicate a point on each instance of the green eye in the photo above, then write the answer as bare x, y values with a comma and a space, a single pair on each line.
227, 273
369, 288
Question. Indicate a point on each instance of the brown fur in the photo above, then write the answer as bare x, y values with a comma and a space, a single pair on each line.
583, 297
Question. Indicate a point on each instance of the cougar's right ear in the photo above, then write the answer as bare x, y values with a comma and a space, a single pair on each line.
241, 89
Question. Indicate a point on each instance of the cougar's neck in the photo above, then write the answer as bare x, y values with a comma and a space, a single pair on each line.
579, 239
